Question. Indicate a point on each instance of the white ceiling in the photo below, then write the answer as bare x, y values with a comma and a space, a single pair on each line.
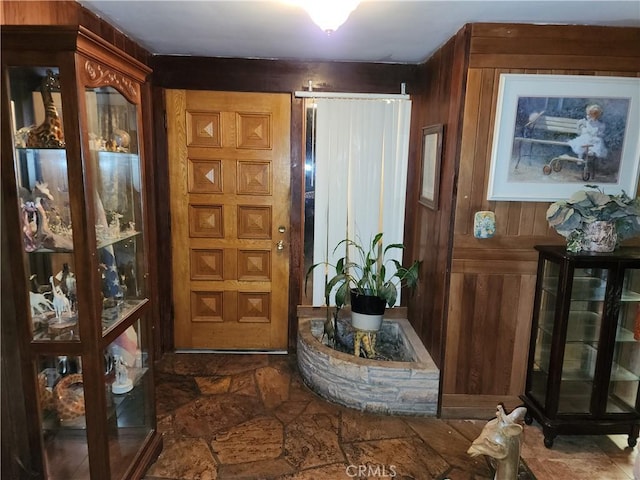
377, 31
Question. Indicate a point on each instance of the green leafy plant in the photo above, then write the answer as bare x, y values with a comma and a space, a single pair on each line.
570, 217
369, 272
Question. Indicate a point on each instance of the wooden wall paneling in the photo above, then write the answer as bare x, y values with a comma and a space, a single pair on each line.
454, 333
531, 45
484, 328
501, 242
296, 228
499, 380
482, 148
175, 103
464, 362
40, 12
440, 93
522, 333
235, 74
163, 220
455, 64
507, 259
67, 12
467, 153
156, 269
484, 321
527, 39
585, 48
467, 406
508, 32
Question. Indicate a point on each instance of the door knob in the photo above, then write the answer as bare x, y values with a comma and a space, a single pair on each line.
280, 245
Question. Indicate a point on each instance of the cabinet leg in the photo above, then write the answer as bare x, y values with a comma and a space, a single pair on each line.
549, 436
633, 435
528, 418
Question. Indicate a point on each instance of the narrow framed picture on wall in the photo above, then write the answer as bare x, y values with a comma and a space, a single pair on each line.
555, 133
431, 158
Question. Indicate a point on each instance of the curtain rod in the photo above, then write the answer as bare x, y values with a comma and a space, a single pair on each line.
387, 96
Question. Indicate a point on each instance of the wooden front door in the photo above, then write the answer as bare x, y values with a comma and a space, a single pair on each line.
229, 178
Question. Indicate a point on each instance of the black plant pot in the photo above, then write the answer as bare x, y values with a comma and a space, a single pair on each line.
367, 304
366, 311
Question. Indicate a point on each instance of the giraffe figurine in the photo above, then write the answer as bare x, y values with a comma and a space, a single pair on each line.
49, 133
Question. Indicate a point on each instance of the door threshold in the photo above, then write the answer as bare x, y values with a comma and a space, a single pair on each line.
235, 352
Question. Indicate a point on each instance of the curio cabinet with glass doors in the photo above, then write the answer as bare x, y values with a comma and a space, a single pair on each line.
77, 219
584, 357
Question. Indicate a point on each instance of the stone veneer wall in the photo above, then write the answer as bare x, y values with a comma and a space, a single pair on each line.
404, 388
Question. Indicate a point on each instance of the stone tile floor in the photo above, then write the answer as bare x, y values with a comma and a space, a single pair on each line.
250, 417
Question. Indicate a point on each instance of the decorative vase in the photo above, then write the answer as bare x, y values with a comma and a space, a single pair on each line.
366, 311
600, 236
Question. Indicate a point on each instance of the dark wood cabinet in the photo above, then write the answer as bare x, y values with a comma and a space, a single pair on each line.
584, 357
78, 243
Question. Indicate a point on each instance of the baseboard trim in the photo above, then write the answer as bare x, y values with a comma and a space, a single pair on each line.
463, 406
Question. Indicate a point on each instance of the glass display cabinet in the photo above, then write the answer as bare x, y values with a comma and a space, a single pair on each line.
73, 184
584, 357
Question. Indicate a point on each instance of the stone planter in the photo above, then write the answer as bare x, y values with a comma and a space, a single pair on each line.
385, 387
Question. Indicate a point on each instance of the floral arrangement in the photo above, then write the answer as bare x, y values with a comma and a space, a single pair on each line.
570, 218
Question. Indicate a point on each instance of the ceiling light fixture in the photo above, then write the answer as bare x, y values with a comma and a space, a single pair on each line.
329, 15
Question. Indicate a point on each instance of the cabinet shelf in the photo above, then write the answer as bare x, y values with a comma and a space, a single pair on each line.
589, 289
101, 243
584, 288
112, 316
621, 374
582, 326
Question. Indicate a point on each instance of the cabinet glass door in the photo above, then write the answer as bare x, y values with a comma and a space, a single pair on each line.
581, 346
42, 184
130, 397
43, 200
546, 323
116, 165
625, 370
114, 146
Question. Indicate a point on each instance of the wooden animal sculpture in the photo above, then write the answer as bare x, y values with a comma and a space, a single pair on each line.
500, 440
60, 302
39, 303
49, 133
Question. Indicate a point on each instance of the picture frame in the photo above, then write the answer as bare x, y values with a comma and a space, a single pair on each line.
430, 165
545, 147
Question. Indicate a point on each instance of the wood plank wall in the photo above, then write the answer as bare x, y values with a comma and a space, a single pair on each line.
428, 233
492, 281
68, 12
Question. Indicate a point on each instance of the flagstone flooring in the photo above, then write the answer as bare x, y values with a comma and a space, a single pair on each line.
250, 417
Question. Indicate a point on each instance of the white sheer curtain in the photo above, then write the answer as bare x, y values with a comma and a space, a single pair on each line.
362, 148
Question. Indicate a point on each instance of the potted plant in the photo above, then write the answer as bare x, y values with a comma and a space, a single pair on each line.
367, 280
590, 216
